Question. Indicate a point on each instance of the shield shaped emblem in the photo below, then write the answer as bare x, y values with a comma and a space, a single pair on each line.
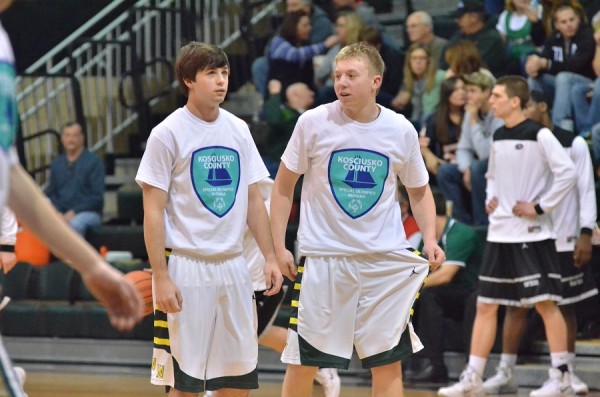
356, 178
215, 172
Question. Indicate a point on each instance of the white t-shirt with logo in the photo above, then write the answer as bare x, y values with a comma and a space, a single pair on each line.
205, 167
349, 201
8, 114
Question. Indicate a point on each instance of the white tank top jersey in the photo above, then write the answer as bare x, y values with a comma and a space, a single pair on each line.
8, 110
206, 168
527, 163
578, 209
349, 201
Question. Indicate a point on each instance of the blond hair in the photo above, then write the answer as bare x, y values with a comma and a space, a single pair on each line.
365, 51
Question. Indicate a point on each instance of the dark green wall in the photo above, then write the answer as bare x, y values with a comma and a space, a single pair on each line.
36, 26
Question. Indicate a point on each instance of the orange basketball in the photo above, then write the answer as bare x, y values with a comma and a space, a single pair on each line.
142, 281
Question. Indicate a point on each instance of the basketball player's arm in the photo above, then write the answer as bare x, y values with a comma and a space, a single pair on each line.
258, 223
281, 205
166, 294
584, 168
121, 300
423, 208
8, 238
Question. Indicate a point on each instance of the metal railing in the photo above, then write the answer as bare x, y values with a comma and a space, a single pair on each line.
115, 80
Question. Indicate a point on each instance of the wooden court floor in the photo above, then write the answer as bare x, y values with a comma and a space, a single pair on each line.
72, 384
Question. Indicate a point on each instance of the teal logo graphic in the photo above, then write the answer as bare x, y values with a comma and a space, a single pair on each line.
8, 105
356, 178
215, 175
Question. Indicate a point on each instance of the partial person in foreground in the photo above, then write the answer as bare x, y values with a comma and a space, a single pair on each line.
199, 177
26, 200
529, 174
574, 221
352, 153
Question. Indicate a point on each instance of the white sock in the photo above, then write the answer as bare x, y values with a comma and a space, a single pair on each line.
559, 358
478, 364
571, 361
509, 359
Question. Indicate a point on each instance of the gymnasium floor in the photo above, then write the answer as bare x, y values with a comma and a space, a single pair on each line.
126, 382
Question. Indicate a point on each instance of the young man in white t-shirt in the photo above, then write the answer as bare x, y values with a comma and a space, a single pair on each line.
199, 175
357, 278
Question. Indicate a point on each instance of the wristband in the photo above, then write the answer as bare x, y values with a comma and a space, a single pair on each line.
7, 248
586, 230
538, 209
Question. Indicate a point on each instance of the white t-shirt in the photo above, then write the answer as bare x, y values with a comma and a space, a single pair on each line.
9, 115
578, 208
527, 163
205, 167
349, 202
254, 258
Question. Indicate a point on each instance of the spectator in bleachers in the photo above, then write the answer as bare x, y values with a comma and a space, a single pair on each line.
321, 25
493, 7
394, 63
76, 187
445, 293
290, 57
8, 239
471, 19
419, 27
439, 137
420, 92
282, 117
462, 58
521, 27
566, 59
321, 29
586, 96
347, 28
463, 183
367, 14
573, 221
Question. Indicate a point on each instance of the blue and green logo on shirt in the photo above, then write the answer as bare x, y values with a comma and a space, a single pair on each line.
356, 178
215, 172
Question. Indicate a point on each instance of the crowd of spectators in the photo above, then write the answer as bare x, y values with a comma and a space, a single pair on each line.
442, 81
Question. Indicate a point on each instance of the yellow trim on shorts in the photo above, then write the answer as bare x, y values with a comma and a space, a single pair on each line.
162, 341
412, 311
293, 320
297, 286
300, 269
294, 303
161, 324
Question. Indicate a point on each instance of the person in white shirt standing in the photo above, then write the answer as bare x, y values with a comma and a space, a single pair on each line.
199, 176
357, 266
529, 174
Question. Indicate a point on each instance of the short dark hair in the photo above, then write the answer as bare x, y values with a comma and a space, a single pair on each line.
516, 86
539, 97
195, 57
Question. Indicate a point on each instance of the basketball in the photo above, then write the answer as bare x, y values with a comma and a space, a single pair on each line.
142, 281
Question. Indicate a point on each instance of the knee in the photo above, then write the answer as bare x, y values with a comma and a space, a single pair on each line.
486, 310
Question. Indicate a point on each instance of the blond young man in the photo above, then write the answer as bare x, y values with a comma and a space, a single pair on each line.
352, 153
